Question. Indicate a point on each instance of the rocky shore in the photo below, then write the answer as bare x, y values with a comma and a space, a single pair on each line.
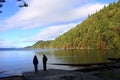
99, 72
13, 78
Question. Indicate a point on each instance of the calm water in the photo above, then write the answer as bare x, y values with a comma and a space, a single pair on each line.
14, 62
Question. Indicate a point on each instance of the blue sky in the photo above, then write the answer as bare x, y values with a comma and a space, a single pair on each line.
42, 19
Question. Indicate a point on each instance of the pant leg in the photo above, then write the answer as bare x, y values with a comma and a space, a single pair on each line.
44, 67
36, 68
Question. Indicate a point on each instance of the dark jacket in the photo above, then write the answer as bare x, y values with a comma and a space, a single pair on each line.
44, 59
35, 60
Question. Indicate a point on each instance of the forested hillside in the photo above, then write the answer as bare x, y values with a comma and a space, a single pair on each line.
99, 31
41, 44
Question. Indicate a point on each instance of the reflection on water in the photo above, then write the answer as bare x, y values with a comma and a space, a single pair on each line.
17, 61
83, 56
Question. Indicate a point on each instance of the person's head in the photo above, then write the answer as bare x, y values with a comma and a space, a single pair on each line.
35, 56
43, 54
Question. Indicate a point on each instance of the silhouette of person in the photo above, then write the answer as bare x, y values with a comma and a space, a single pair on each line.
35, 62
44, 62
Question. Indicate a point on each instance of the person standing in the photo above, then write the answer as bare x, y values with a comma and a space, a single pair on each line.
44, 62
35, 62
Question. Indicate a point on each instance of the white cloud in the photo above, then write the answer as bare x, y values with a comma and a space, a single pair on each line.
50, 33
44, 12
16, 44
86, 10
6, 44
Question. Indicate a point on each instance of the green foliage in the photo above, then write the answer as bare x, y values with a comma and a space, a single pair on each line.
41, 44
99, 31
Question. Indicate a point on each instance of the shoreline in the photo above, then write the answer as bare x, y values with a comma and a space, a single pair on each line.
15, 77
99, 74
55, 71
97, 70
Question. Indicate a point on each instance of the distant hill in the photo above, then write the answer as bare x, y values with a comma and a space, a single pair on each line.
41, 44
99, 31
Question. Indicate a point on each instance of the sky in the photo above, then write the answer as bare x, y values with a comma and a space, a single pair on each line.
42, 19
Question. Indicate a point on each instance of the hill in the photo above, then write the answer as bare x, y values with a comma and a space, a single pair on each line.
41, 44
99, 31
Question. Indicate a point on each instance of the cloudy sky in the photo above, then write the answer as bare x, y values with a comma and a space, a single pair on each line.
42, 19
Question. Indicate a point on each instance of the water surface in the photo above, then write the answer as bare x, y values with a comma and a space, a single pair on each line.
14, 62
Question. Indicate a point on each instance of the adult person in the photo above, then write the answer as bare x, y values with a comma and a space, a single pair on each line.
44, 62
35, 62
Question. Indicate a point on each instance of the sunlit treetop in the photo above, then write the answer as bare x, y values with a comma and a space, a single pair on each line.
22, 3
